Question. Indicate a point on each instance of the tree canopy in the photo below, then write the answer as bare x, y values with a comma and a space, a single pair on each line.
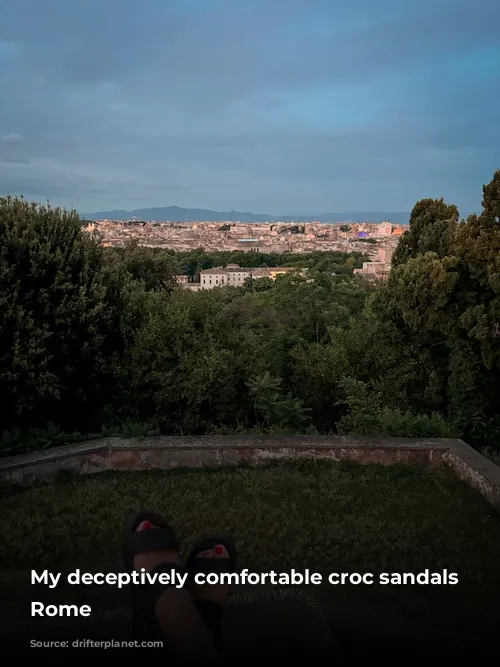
103, 339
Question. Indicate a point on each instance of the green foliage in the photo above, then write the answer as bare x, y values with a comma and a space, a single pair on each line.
149, 268
16, 441
443, 308
101, 340
491, 199
366, 414
433, 226
183, 367
272, 407
262, 284
193, 261
59, 306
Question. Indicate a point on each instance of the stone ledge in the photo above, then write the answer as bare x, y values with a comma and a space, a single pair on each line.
53, 454
168, 452
210, 442
475, 469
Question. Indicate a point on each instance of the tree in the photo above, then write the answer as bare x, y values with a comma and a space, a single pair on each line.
58, 318
433, 225
440, 311
491, 199
263, 284
367, 415
272, 407
317, 371
478, 245
153, 268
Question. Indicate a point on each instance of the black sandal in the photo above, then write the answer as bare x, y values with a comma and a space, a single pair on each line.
144, 597
210, 611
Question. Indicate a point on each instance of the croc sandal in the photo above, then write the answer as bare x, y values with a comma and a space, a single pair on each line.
145, 596
196, 564
210, 611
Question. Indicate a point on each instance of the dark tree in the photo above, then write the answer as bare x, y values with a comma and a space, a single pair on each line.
58, 318
433, 224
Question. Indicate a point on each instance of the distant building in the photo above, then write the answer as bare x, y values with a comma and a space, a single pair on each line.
385, 255
250, 244
379, 268
235, 275
279, 271
384, 229
230, 275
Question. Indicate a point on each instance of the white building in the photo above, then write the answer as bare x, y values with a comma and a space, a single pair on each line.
235, 275
232, 274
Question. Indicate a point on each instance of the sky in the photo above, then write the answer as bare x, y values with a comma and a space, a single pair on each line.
275, 106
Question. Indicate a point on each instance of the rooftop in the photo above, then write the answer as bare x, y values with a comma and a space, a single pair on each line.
227, 269
245, 269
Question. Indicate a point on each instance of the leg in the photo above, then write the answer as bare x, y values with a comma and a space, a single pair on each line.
213, 555
210, 599
184, 633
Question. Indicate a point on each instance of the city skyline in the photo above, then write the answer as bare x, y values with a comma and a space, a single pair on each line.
261, 106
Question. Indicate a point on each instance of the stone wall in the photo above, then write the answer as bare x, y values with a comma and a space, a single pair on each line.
211, 451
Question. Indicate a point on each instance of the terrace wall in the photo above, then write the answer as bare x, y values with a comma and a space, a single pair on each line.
167, 452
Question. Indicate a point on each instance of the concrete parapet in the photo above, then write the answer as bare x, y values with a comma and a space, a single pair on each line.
167, 452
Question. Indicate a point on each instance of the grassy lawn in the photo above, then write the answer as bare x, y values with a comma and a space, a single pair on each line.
341, 517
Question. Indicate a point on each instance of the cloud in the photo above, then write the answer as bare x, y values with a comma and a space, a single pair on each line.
262, 105
5, 159
11, 138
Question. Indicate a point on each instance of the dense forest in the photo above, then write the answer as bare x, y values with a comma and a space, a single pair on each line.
102, 340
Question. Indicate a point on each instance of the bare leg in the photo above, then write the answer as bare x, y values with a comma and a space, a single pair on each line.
184, 631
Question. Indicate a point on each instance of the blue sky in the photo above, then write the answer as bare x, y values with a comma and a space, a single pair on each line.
276, 106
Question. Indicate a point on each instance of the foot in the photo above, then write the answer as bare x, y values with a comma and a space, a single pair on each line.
214, 592
151, 559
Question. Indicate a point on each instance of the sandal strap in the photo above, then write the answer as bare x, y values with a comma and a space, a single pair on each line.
157, 589
152, 540
196, 564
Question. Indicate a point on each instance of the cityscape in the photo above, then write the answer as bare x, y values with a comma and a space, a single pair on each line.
376, 240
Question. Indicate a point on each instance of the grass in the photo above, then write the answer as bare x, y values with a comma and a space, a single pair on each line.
341, 517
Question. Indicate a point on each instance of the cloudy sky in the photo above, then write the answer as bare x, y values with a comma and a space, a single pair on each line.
277, 106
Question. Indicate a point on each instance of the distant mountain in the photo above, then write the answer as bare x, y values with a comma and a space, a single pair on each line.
176, 214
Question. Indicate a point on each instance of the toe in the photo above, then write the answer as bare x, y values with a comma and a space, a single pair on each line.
144, 525
208, 553
220, 551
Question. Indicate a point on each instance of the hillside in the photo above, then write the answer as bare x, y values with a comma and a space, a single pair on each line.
175, 213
